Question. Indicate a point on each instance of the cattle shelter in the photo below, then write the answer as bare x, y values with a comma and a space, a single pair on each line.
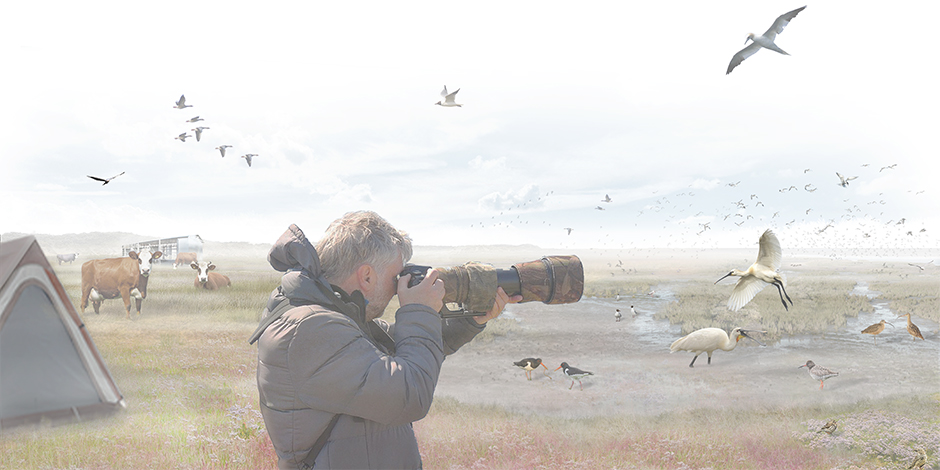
169, 246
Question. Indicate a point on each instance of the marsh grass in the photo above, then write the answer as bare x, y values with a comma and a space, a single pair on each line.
598, 285
461, 436
819, 303
918, 296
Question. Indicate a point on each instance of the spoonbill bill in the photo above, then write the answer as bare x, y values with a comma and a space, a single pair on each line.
819, 373
574, 373
106, 181
449, 98
844, 181
766, 40
529, 364
222, 148
761, 273
182, 103
876, 329
707, 340
912, 328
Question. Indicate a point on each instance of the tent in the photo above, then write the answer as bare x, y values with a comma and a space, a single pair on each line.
50, 369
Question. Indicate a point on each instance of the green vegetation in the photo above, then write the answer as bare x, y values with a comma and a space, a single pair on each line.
919, 296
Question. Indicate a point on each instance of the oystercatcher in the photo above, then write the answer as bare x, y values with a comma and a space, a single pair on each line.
819, 373
529, 364
574, 373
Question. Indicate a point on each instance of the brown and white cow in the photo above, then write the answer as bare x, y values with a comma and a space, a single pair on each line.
117, 277
66, 258
184, 258
208, 280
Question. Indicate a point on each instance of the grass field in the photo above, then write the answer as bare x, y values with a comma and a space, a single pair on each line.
188, 377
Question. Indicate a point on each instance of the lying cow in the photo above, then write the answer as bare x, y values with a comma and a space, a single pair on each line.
113, 277
66, 258
184, 258
209, 280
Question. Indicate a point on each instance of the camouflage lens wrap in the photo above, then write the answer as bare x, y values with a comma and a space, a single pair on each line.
552, 280
472, 285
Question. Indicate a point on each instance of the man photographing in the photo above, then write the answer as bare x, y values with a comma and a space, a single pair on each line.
339, 387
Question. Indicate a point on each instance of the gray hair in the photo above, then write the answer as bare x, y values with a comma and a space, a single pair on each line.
358, 238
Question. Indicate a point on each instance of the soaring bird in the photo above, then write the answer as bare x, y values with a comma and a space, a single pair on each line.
529, 364
106, 181
819, 373
761, 273
182, 103
876, 329
912, 328
248, 156
182, 137
707, 340
448, 98
843, 181
766, 40
198, 130
574, 373
222, 148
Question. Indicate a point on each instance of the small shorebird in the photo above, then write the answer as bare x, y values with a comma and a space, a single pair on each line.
106, 181
819, 373
707, 340
248, 156
633, 310
448, 99
222, 148
912, 328
844, 181
920, 460
195, 119
617, 315
574, 373
761, 273
766, 40
829, 427
876, 329
529, 364
182, 103
182, 137
198, 130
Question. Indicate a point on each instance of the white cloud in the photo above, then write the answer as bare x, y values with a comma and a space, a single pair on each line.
526, 197
493, 164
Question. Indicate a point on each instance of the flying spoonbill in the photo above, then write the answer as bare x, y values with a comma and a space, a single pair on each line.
106, 181
911, 327
707, 340
182, 103
574, 373
819, 373
448, 98
761, 273
222, 148
529, 364
766, 40
876, 329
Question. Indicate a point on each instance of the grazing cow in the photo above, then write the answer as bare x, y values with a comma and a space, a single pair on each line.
66, 258
209, 280
117, 277
184, 258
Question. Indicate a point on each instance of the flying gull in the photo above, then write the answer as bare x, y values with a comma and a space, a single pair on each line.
766, 40
448, 98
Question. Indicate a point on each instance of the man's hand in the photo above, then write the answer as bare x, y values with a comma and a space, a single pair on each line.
430, 292
501, 300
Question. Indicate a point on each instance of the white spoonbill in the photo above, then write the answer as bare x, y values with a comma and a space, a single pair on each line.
766, 40
182, 103
448, 98
708, 340
761, 273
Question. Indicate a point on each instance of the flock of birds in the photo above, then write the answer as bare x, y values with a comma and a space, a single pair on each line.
531, 363
181, 104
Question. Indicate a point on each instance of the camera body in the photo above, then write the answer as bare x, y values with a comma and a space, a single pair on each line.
418, 273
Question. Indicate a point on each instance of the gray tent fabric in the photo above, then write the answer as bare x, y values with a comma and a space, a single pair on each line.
50, 369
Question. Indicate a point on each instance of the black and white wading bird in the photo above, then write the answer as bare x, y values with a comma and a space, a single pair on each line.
574, 373
529, 364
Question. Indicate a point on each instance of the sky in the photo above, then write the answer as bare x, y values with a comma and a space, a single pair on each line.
564, 105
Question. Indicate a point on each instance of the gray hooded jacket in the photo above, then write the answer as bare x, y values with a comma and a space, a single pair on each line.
315, 362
